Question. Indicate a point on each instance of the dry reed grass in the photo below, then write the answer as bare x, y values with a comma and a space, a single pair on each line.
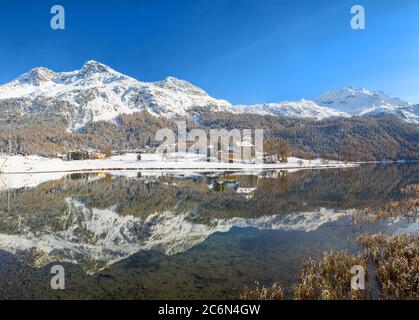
412, 189
263, 293
408, 209
396, 262
328, 278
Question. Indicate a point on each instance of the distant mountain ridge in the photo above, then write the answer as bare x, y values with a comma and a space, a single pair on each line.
361, 102
96, 92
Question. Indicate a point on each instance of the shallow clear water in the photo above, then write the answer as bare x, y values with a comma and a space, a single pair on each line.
172, 235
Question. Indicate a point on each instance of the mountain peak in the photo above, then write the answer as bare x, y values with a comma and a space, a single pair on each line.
176, 84
360, 101
92, 66
347, 92
36, 76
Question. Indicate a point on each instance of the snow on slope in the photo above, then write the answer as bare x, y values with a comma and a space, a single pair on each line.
354, 101
96, 92
104, 93
293, 109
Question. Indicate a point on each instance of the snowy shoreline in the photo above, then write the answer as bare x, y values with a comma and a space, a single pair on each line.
129, 162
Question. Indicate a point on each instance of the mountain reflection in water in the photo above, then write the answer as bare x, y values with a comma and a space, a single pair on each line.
97, 220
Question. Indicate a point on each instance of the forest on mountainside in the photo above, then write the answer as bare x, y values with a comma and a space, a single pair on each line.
382, 137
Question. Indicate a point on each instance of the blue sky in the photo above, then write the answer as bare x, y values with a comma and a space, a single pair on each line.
245, 51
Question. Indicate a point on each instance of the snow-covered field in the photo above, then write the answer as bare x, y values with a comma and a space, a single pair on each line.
35, 164
26, 172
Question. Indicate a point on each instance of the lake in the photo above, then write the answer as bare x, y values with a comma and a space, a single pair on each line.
183, 235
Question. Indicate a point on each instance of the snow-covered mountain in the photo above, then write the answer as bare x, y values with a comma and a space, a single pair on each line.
99, 93
96, 92
293, 109
345, 102
360, 102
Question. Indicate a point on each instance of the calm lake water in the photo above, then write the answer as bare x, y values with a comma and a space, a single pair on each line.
192, 235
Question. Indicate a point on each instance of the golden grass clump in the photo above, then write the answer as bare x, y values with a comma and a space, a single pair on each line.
412, 189
408, 209
396, 261
263, 293
328, 278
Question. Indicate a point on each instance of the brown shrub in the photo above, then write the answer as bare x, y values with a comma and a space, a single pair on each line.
396, 261
263, 293
328, 278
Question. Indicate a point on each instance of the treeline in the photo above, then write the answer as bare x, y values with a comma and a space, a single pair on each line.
50, 136
382, 137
